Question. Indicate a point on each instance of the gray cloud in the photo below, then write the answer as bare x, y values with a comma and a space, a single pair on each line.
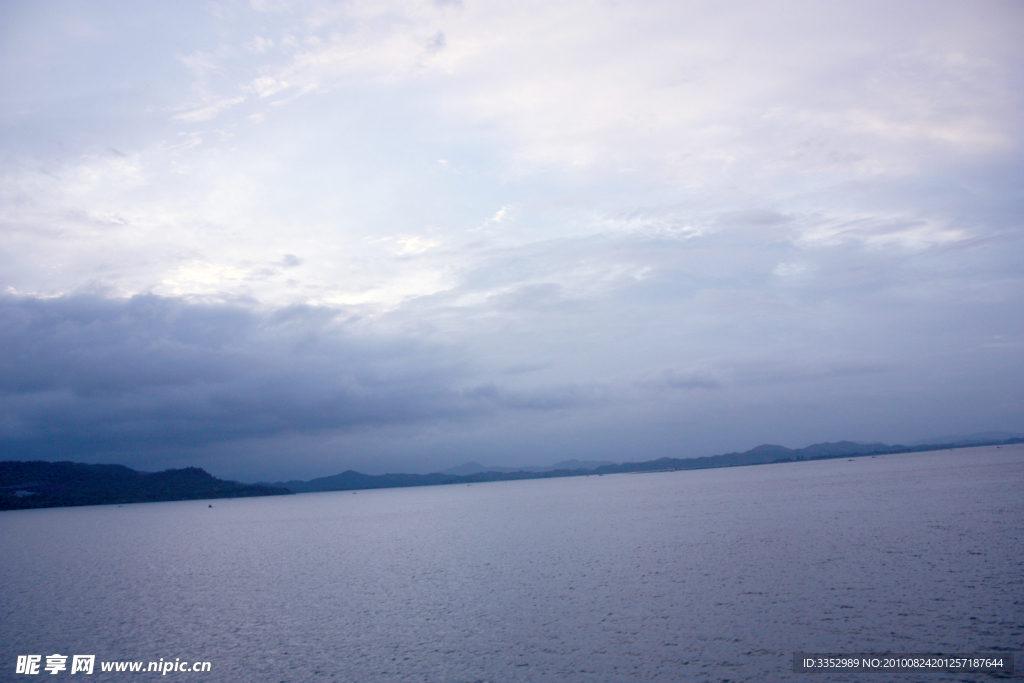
87, 373
673, 379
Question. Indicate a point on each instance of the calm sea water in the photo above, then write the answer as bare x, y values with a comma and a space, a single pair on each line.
689, 576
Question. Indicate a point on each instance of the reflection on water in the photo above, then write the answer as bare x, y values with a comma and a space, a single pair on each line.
699, 575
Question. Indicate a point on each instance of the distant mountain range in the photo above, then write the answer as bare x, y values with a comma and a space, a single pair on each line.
65, 484
472, 472
476, 468
970, 439
62, 484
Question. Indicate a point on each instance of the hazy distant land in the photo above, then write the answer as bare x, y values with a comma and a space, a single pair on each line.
67, 484
64, 484
761, 455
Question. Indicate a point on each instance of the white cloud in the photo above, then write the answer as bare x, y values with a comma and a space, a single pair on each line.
790, 269
880, 231
207, 112
406, 245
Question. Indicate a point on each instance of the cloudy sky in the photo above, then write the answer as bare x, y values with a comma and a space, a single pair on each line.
283, 239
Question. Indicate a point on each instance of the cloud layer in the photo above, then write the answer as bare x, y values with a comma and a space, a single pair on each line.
283, 238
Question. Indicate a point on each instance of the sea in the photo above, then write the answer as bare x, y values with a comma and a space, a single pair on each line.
703, 575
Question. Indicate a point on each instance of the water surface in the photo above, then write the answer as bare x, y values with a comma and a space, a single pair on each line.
683, 576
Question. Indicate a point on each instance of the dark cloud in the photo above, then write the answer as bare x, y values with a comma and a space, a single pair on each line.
253, 392
673, 379
85, 377
549, 398
784, 370
87, 374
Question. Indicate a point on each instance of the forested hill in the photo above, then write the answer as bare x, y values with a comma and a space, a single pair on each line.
64, 484
352, 480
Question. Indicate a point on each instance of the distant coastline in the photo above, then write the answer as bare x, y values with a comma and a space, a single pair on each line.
37, 484
351, 480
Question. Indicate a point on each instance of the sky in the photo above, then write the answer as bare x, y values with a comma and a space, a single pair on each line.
279, 240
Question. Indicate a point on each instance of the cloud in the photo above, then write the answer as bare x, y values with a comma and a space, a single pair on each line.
680, 222
673, 379
437, 43
87, 373
207, 111
548, 398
